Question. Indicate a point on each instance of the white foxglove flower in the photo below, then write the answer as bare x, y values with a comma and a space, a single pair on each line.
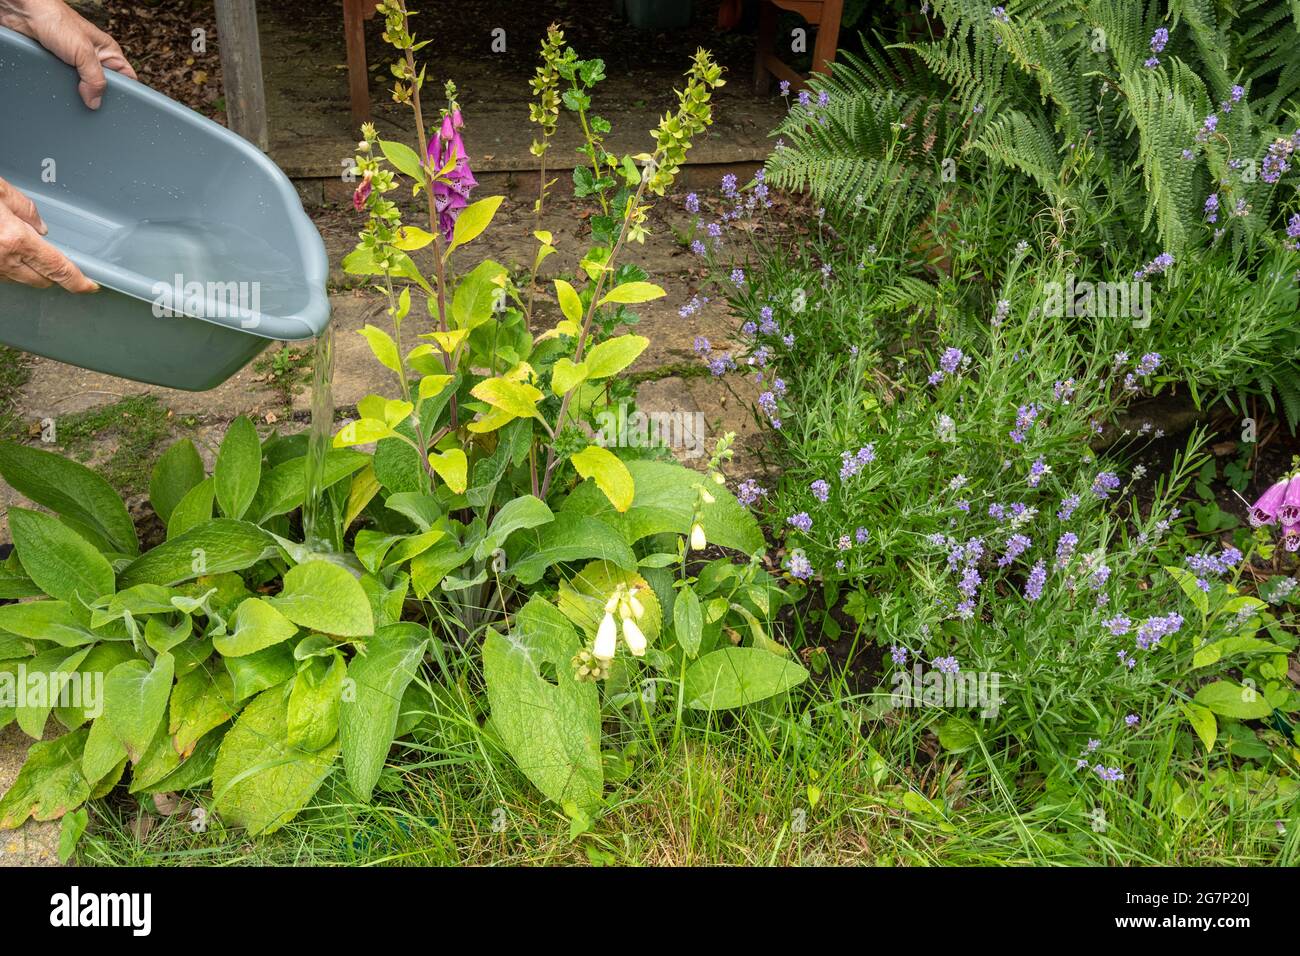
707, 498
698, 541
635, 639
719, 478
638, 609
606, 638
612, 604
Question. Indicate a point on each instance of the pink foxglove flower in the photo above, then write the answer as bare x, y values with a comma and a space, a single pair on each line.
1264, 510
362, 193
451, 190
1291, 537
1289, 511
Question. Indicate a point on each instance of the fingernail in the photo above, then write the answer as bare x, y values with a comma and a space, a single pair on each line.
94, 102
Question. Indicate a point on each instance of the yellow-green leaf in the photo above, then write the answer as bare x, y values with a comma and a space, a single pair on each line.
612, 356
385, 349
518, 399
570, 303
630, 293
432, 385
452, 467
411, 238
473, 219
490, 422
361, 432
610, 474
448, 341
566, 374
395, 411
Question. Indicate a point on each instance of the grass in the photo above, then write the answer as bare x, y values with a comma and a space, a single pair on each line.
288, 368
15, 370
135, 426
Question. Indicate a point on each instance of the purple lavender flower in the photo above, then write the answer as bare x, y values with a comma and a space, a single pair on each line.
1034, 584
737, 277
749, 491
702, 345
729, 186
1068, 506
950, 360
820, 489
898, 654
861, 535
1132, 720
1065, 548
1118, 625
801, 521
1159, 39
1017, 544
1025, 416
799, 566
692, 202
1212, 208
1036, 472
1105, 483
947, 665
1108, 773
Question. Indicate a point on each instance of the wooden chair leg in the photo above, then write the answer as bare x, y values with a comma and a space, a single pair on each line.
765, 46
828, 36
354, 14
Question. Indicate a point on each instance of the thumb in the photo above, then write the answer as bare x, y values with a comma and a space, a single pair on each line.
91, 71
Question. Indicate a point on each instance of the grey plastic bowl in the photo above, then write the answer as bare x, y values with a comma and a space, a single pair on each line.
198, 241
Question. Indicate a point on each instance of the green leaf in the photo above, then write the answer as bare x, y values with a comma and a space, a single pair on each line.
45, 621
568, 538
58, 666
956, 734
201, 700
665, 502
1203, 722
476, 295
610, 474
73, 826
383, 347
194, 509
322, 596
103, 752
452, 467
239, 468
71, 490
178, 470
1233, 700
372, 700
135, 699
688, 621
283, 487
49, 784
257, 625
565, 375
260, 782
516, 399
630, 293
61, 562
267, 668
403, 158
222, 544
473, 219
313, 718
736, 676
551, 726
613, 355
516, 514
570, 301
1187, 581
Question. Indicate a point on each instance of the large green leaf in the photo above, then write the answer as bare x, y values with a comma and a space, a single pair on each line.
477, 293
61, 562
201, 700
1227, 699
525, 511
665, 502
550, 726
265, 669
222, 544
283, 487
324, 597
175, 474
135, 700
56, 667
314, 698
45, 621
256, 625
688, 621
570, 537
194, 509
239, 468
50, 783
372, 700
736, 676
71, 490
260, 782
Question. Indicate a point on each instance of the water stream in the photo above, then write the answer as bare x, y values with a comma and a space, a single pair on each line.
315, 528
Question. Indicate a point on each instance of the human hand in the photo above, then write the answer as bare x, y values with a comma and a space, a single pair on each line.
25, 257
72, 38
